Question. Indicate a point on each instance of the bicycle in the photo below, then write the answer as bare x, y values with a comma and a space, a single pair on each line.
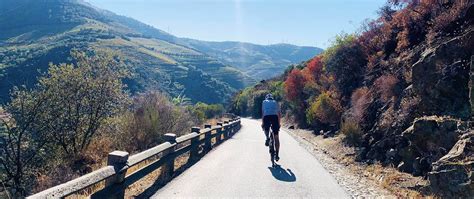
271, 147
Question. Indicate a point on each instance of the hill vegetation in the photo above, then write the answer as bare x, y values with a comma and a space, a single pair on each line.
398, 91
34, 33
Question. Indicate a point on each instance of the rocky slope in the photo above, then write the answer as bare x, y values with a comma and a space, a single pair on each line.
431, 117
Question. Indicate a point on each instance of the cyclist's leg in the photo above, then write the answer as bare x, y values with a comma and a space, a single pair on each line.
266, 128
277, 144
276, 130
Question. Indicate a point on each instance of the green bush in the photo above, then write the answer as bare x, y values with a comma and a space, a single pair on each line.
249, 101
324, 109
240, 102
352, 133
255, 103
205, 111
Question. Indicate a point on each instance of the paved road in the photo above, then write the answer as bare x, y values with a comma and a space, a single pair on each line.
240, 167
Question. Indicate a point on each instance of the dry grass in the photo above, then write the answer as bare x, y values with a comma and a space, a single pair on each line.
400, 184
99, 149
153, 179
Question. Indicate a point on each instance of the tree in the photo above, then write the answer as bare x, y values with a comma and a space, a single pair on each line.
64, 111
79, 98
21, 140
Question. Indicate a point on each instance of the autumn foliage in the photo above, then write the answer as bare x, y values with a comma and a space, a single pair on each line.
405, 24
314, 69
361, 72
294, 86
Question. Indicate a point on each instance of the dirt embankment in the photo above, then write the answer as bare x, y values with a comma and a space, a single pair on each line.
360, 180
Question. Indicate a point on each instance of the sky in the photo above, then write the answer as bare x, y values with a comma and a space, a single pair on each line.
299, 22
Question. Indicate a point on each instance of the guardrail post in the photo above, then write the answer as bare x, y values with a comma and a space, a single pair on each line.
195, 144
219, 133
226, 129
168, 167
117, 159
238, 123
207, 137
231, 126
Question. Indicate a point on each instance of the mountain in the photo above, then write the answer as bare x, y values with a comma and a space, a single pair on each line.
34, 33
258, 61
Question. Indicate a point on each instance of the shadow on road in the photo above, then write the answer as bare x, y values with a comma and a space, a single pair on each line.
281, 174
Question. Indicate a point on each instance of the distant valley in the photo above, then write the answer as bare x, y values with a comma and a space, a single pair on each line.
34, 33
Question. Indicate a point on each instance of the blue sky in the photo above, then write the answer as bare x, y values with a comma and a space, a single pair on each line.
300, 22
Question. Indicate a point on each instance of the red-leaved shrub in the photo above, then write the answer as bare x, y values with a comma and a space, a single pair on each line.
360, 101
385, 86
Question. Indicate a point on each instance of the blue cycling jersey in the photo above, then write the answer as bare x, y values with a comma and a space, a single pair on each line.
270, 107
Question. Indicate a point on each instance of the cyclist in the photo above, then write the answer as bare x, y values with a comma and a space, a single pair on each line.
271, 118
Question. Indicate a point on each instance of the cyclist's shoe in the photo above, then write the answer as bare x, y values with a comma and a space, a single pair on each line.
277, 158
267, 142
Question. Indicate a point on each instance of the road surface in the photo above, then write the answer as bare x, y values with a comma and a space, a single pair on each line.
240, 167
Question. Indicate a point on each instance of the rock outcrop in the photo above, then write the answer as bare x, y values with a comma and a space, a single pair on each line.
429, 138
440, 78
453, 174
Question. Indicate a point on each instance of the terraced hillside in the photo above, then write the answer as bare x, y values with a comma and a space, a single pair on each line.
34, 33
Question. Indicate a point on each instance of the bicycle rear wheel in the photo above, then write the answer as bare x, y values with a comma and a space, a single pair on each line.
272, 148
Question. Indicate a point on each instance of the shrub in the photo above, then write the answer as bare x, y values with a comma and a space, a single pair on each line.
154, 115
294, 86
444, 21
325, 109
352, 133
314, 69
240, 101
207, 111
386, 86
346, 61
360, 101
255, 103
249, 101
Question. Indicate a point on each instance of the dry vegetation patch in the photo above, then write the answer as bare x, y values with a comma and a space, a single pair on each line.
385, 178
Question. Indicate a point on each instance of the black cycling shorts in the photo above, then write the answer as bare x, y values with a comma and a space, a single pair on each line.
271, 121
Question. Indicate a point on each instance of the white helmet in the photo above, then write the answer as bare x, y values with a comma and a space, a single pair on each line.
269, 96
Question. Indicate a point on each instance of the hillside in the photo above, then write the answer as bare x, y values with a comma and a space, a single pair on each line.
258, 61
399, 93
34, 33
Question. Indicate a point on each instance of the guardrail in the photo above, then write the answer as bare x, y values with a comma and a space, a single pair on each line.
197, 143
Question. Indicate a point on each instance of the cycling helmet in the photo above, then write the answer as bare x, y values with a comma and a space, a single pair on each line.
269, 96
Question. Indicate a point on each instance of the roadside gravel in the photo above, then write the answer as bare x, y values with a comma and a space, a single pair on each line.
356, 184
